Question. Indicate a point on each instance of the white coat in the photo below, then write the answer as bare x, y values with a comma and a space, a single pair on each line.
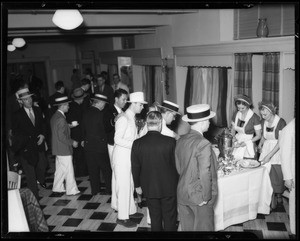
122, 183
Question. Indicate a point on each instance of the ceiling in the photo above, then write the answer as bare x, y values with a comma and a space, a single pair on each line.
37, 25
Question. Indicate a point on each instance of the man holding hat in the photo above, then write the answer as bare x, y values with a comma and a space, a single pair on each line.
74, 118
62, 148
122, 184
95, 144
196, 164
28, 131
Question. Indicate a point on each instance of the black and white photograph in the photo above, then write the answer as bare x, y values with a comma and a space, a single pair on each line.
149, 119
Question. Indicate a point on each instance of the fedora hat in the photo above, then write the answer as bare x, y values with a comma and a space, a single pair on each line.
200, 112
23, 93
243, 98
62, 100
137, 97
170, 106
78, 94
100, 97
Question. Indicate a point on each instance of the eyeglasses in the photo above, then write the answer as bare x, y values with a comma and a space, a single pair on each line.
238, 102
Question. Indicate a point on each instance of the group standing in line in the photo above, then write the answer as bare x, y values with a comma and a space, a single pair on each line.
93, 133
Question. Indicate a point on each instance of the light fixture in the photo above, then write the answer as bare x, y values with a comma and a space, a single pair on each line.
18, 42
11, 47
67, 19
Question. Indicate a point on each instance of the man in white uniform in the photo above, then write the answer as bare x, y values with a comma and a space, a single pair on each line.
125, 133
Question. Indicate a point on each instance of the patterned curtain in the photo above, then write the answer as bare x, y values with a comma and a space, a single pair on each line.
209, 86
243, 74
270, 91
152, 83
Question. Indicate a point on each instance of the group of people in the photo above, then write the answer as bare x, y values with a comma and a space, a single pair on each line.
97, 132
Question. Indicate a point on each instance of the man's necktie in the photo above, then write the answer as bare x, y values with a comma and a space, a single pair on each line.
31, 116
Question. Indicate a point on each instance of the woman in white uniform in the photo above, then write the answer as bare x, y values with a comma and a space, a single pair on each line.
246, 128
272, 125
122, 183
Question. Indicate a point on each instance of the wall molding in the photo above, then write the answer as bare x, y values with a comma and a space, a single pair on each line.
278, 44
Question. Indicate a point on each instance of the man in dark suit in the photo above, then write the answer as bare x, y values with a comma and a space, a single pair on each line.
154, 173
196, 164
95, 144
28, 133
75, 113
104, 89
13, 103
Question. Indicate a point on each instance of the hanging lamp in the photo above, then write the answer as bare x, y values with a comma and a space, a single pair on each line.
67, 19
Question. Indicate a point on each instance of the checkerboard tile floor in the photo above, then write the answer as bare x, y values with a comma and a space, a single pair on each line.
88, 213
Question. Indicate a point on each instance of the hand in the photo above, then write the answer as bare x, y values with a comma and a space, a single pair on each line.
265, 160
139, 190
289, 184
203, 203
82, 143
41, 139
75, 144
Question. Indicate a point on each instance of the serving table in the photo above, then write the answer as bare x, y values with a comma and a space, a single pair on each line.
241, 196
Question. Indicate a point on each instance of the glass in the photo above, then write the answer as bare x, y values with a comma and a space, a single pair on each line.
262, 30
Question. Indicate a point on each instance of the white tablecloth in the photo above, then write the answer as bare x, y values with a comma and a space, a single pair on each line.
241, 196
17, 221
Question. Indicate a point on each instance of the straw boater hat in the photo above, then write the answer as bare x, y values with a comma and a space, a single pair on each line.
100, 97
78, 94
62, 100
200, 112
243, 98
23, 93
137, 97
170, 106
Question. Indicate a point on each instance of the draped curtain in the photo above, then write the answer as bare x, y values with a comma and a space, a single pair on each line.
210, 86
152, 83
270, 87
243, 74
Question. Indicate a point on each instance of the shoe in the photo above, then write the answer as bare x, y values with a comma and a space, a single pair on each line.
76, 194
140, 205
127, 223
136, 215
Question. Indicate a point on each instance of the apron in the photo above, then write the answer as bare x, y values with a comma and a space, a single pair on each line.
248, 150
269, 143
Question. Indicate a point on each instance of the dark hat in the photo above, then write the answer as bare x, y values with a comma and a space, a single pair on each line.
100, 97
243, 98
23, 93
170, 106
78, 94
268, 105
200, 112
62, 100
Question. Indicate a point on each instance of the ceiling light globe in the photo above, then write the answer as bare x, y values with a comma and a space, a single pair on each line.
11, 47
18, 42
67, 19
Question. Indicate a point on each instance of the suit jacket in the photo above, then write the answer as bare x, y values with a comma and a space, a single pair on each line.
109, 123
196, 164
25, 134
75, 114
93, 131
61, 139
153, 165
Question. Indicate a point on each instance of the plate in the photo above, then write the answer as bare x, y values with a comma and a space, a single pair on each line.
247, 163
